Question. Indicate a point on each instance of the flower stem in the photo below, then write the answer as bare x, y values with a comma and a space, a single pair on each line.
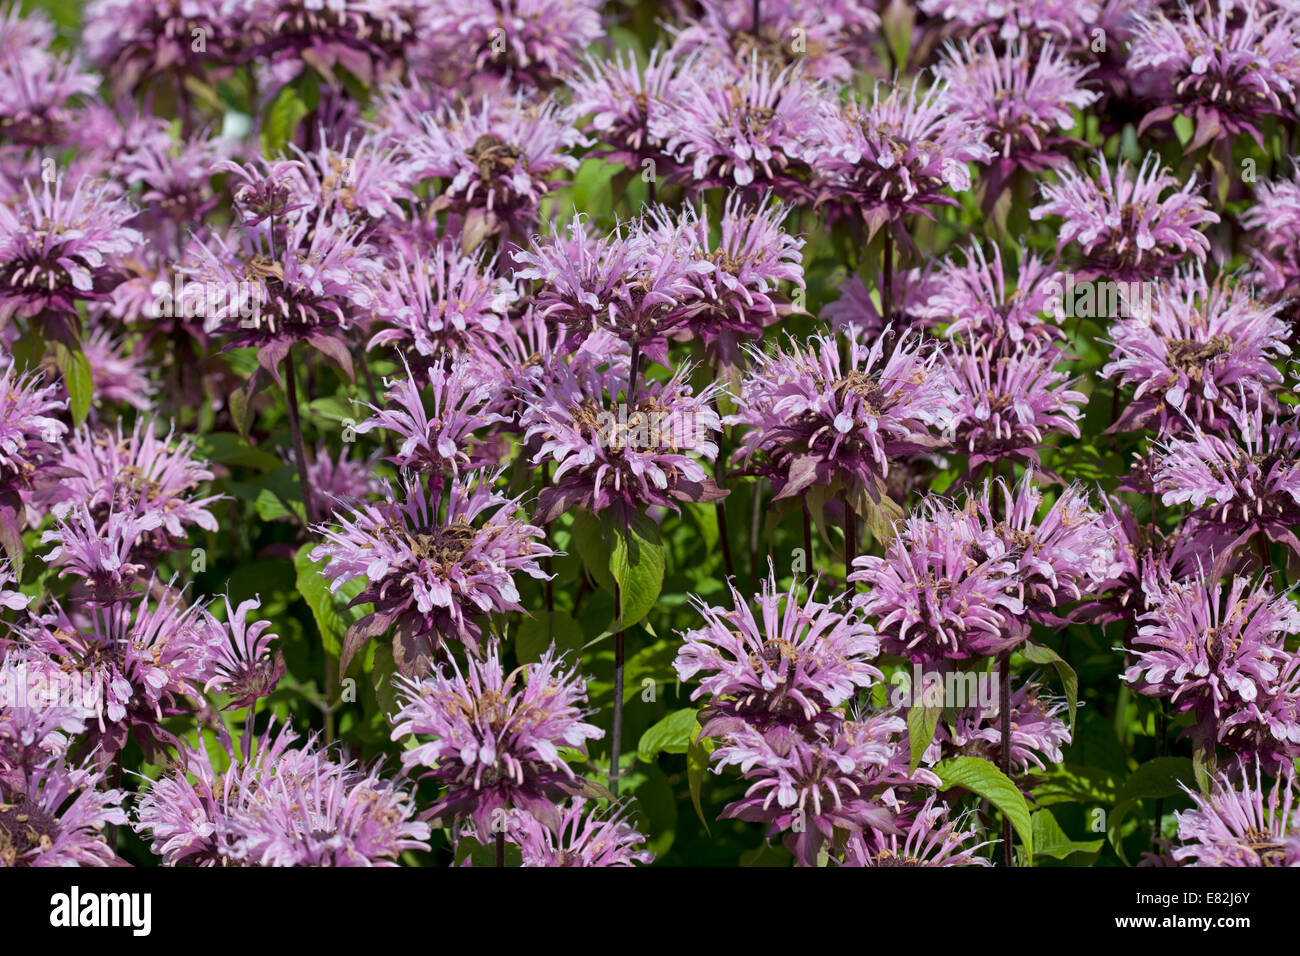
616, 731
1004, 708
807, 534
756, 20
295, 427
501, 848
887, 293
634, 367
850, 536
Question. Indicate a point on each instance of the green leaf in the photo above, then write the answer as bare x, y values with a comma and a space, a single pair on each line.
78, 378
671, 735
1050, 839
381, 677
922, 721
982, 778
280, 496
333, 616
1037, 654
589, 539
1158, 778
697, 762
636, 561
282, 119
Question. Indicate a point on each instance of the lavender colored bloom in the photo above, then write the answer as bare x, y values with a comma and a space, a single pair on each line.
41, 716
57, 818
367, 38
135, 41
1008, 404
268, 292
141, 475
893, 154
39, 90
145, 656
430, 571
1193, 347
1037, 732
1239, 483
104, 554
740, 293
979, 302
830, 780
243, 665
856, 315
1127, 226
1274, 224
1241, 825
790, 669
943, 590
436, 443
621, 455
933, 837
1024, 98
118, 375
624, 101
533, 41
755, 126
1058, 556
29, 433
1229, 67
815, 419
274, 805
58, 247
442, 301
339, 482
356, 183
584, 837
1215, 651
496, 737
498, 154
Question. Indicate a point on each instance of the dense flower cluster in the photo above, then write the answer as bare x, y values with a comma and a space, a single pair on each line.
467, 432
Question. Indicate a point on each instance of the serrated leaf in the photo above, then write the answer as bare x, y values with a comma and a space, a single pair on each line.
590, 542
983, 779
1051, 840
1158, 778
333, 616
636, 562
922, 721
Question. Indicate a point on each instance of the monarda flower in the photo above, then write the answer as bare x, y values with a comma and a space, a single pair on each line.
981, 303
274, 805
1213, 649
806, 787
39, 90
133, 42
1059, 556
1239, 482
585, 837
443, 301
741, 292
532, 41
815, 420
1009, 404
1037, 732
148, 656
1127, 226
498, 155
933, 837
1192, 347
758, 126
60, 246
894, 154
1241, 824
1228, 67
360, 182
57, 817
430, 571
365, 37
106, 554
617, 454
1025, 100
340, 481
244, 667
43, 714
634, 283
437, 442
1273, 220
623, 100
857, 315
495, 738
29, 453
940, 592
307, 285
789, 668
1061, 21
141, 475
